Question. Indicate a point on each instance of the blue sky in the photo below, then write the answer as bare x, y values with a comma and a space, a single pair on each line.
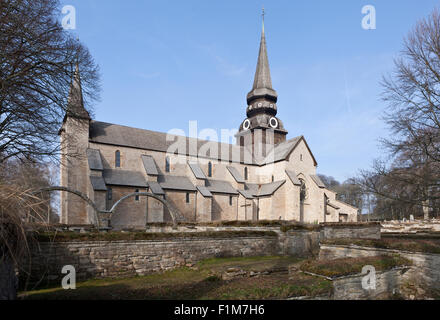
164, 63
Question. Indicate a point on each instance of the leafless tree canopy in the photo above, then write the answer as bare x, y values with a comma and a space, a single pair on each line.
410, 177
37, 62
413, 93
38, 59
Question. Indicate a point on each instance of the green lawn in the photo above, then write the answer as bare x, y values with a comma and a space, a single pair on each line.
203, 281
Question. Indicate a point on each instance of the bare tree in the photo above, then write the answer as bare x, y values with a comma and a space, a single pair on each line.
37, 63
38, 60
411, 174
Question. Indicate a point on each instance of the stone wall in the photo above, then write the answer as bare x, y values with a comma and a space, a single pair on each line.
387, 283
369, 230
427, 264
417, 226
96, 259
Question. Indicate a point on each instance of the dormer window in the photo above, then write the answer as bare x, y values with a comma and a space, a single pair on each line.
117, 159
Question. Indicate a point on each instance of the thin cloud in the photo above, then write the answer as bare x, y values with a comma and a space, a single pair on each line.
223, 65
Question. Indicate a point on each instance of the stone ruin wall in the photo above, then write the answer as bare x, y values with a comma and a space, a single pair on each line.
100, 259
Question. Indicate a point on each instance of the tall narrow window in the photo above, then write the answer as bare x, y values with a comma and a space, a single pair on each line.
118, 159
273, 178
136, 197
187, 197
230, 200
210, 169
301, 157
109, 194
167, 164
245, 173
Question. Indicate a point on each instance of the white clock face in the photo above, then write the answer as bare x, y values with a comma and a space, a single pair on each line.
273, 123
246, 124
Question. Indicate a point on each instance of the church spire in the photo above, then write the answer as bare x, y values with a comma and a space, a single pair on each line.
75, 102
262, 97
262, 109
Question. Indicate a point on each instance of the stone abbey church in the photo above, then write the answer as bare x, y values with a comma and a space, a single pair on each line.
263, 177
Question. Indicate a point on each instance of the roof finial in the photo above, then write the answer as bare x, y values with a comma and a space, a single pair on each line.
263, 14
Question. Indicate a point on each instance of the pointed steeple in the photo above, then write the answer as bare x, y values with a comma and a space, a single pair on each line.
262, 97
75, 102
262, 74
262, 109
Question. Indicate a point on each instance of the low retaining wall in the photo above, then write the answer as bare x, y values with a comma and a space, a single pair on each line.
426, 264
417, 226
387, 283
98, 259
369, 230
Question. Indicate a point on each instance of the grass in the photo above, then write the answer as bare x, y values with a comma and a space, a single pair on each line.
396, 243
349, 266
116, 236
201, 282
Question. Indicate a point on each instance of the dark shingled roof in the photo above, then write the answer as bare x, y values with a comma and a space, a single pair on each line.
282, 150
107, 133
155, 187
175, 183
246, 193
204, 191
94, 159
318, 181
113, 134
98, 183
292, 176
220, 186
237, 176
124, 178
269, 189
266, 189
150, 165
198, 172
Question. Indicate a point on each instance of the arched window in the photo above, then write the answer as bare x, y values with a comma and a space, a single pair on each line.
210, 169
118, 159
167, 164
245, 173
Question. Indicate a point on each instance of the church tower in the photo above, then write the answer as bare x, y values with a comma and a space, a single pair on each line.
74, 136
261, 130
